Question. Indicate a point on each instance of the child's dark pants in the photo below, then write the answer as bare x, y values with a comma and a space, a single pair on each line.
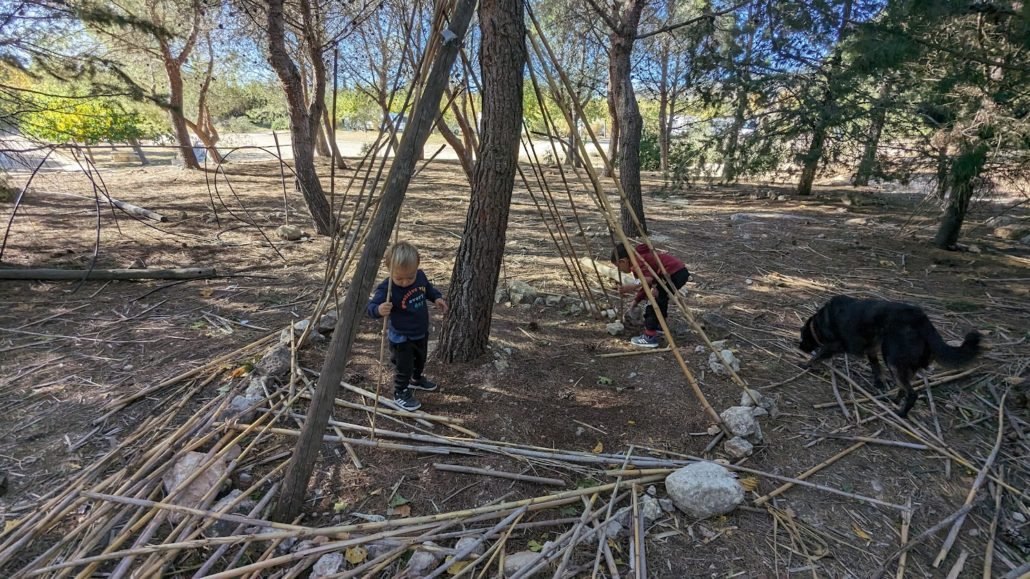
409, 358
677, 281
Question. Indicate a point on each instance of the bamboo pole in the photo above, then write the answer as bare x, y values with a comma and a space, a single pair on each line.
784, 488
980, 478
499, 474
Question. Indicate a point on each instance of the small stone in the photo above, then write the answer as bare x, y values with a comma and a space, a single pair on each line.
422, 562
183, 216
704, 489
184, 469
539, 302
275, 363
501, 364
974, 248
1025, 240
210, 218
552, 300
974, 532
613, 529
1018, 517
222, 528
650, 508
740, 422
327, 322
300, 325
521, 292
632, 375
501, 295
856, 221
729, 359
517, 561
580, 431
714, 430
327, 565
700, 349
465, 542
289, 233
137, 263
768, 403
257, 388
781, 197
286, 545
667, 505
738, 447
758, 411
615, 328
652, 490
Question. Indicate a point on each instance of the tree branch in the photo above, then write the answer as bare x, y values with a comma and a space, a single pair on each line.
696, 19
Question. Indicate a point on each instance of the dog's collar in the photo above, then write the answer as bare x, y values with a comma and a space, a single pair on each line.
815, 335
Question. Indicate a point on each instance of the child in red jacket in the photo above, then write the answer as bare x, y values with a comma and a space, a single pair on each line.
652, 265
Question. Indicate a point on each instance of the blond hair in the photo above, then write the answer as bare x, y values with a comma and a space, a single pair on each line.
402, 254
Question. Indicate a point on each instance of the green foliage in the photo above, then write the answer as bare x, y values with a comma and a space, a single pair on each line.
88, 121
650, 150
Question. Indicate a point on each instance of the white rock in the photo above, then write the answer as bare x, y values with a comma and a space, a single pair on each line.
289, 233
242, 408
758, 411
327, 565
728, 357
422, 563
650, 508
300, 325
766, 402
552, 300
704, 489
667, 505
327, 322
275, 363
517, 561
183, 469
222, 528
741, 422
257, 387
738, 447
615, 328
465, 542
521, 292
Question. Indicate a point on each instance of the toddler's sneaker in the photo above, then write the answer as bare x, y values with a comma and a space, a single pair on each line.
425, 385
405, 400
645, 341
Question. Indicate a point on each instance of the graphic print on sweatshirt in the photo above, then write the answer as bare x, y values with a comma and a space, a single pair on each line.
414, 299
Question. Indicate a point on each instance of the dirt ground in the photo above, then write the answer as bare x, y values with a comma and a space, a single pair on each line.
762, 261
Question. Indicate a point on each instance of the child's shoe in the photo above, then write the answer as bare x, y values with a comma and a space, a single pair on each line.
405, 400
425, 385
645, 341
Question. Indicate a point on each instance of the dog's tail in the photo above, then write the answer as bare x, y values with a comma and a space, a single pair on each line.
952, 355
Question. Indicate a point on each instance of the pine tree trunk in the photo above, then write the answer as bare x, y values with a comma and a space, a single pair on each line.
941, 189
301, 133
478, 262
729, 159
825, 114
138, 149
328, 122
630, 123
811, 160
879, 117
962, 177
175, 114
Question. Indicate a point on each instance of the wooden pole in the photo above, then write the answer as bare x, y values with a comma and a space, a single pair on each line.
47, 274
298, 473
499, 474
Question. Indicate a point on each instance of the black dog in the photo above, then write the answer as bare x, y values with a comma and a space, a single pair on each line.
900, 332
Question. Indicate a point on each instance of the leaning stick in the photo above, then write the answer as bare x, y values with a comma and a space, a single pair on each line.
784, 488
980, 478
499, 474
